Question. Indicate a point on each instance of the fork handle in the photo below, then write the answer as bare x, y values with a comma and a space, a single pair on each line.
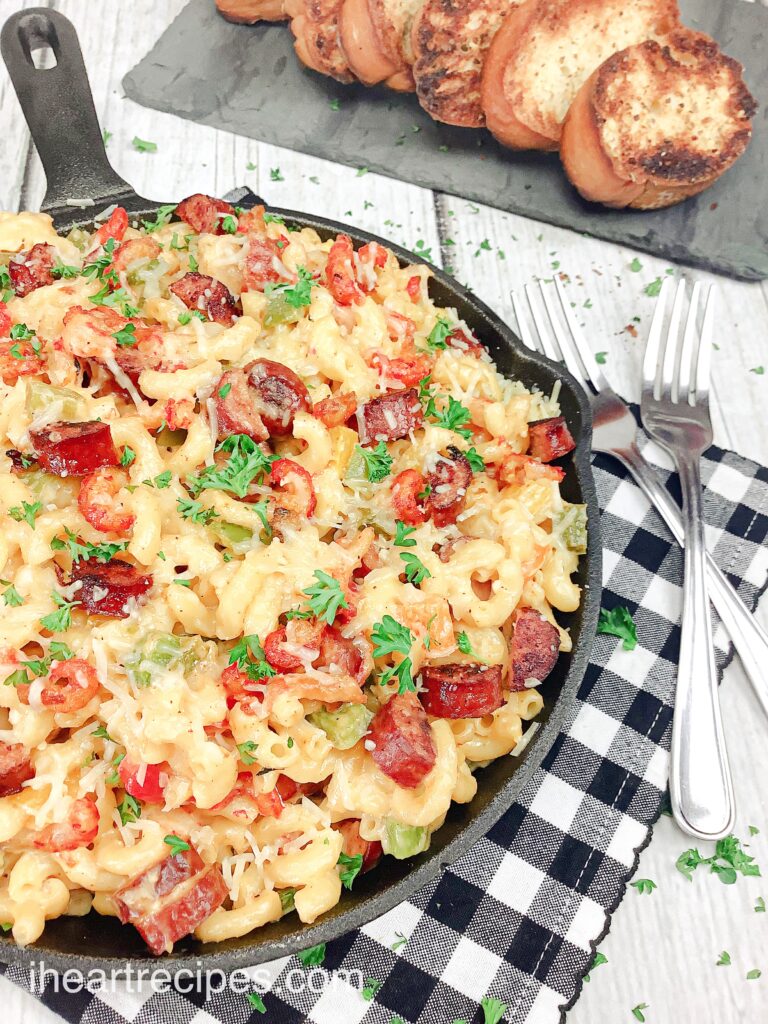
747, 635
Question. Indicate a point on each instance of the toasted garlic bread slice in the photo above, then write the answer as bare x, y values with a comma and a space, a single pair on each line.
450, 42
657, 123
248, 12
375, 35
546, 49
315, 25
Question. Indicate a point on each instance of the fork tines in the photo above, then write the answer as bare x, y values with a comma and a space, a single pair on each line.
680, 372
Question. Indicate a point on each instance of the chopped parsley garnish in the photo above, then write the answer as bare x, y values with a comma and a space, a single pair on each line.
246, 751
272, 218
195, 512
129, 809
728, 861
653, 288
11, 597
635, 266
143, 146
248, 655
350, 868
464, 644
80, 551
26, 513
754, 974
126, 335
325, 597
20, 332
176, 844
296, 295
161, 481
164, 214
618, 622
297, 613
760, 905
127, 456
403, 533
399, 942
725, 959
247, 462
371, 987
275, 175
117, 299
58, 622
187, 315
378, 461
100, 265
313, 956
63, 270
644, 885
287, 902
454, 417
391, 637
100, 732
415, 570
600, 958
6, 288
493, 1010
57, 651
436, 339
229, 224
475, 460
637, 1011
256, 1002
193, 264
224, 390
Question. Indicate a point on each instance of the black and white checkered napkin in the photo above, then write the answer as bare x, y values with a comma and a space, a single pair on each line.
516, 918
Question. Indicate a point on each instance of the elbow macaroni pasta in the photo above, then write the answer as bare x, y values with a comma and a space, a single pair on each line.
223, 711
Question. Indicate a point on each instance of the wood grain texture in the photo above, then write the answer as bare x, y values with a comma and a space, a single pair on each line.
662, 948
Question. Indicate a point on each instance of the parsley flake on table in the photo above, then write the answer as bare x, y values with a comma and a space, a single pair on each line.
248, 655
377, 461
371, 987
26, 513
275, 175
143, 145
399, 942
725, 959
618, 622
728, 861
599, 959
493, 1010
255, 1000
415, 570
760, 905
247, 462
350, 868
176, 844
325, 597
644, 885
403, 533
754, 974
313, 956
195, 511
635, 266
753, 830
653, 289
600, 358
759, 370
637, 1011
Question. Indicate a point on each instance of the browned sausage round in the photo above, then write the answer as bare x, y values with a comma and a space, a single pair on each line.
533, 649
389, 416
404, 749
235, 408
31, 270
15, 768
461, 691
203, 293
448, 483
280, 394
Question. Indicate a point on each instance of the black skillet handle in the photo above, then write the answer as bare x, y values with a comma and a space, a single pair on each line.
58, 106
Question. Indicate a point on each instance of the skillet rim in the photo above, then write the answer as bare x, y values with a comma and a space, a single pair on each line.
337, 922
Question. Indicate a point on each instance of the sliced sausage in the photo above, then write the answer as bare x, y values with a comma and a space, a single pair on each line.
549, 439
461, 691
170, 899
74, 449
235, 408
108, 588
205, 294
389, 417
448, 483
15, 768
280, 395
403, 746
204, 213
340, 653
32, 269
533, 649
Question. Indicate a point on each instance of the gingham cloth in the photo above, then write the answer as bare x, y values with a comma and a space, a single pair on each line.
517, 918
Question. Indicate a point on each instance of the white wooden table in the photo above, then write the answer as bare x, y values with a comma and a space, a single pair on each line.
663, 947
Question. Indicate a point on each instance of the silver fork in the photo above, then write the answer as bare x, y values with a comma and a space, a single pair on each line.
675, 412
560, 337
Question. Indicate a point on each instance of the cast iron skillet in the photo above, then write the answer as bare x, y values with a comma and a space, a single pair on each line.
59, 109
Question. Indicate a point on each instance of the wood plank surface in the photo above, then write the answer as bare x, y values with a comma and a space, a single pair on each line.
663, 947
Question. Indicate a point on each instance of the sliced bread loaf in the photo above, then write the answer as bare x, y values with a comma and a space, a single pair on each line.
656, 123
544, 52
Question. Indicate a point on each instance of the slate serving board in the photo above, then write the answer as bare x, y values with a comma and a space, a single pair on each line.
247, 79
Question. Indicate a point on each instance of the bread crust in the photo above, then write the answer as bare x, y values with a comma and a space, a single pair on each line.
662, 174
248, 12
368, 52
315, 25
451, 41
